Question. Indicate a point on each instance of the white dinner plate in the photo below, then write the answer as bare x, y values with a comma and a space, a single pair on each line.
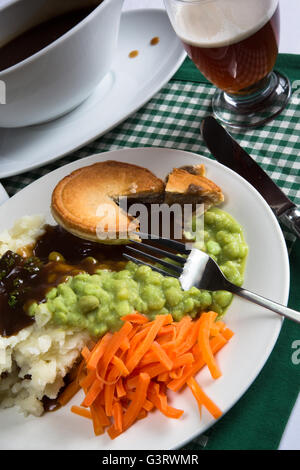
256, 329
129, 85
3, 195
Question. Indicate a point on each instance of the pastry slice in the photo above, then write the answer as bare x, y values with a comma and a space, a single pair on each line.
87, 202
189, 185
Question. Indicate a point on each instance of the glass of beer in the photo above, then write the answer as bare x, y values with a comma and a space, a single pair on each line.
234, 43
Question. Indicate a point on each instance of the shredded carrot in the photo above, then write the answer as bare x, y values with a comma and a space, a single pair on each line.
146, 344
217, 327
164, 376
98, 408
135, 318
117, 414
81, 411
87, 381
98, 351
162, 355
85, 353
112, 346
125, 345
203, 399
128, 374
159, 399
68, 393
92, 393
216, 344
206, 321
120, 365
120, 390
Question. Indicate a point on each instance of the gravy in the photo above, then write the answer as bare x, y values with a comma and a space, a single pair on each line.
27, 280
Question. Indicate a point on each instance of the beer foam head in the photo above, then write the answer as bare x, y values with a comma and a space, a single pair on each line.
217, 23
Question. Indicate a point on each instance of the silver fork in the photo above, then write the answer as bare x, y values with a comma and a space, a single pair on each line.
197, 269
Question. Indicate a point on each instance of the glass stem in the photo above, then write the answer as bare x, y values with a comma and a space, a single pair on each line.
254, 96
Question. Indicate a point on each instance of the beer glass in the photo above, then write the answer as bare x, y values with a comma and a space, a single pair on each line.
234, 43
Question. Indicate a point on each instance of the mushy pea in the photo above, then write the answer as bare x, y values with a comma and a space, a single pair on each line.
97, 302
224, 241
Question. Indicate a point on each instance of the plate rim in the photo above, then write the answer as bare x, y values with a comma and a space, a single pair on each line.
285, 293
3, 195
155, 89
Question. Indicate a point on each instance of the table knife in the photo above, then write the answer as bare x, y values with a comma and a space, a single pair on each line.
228, 152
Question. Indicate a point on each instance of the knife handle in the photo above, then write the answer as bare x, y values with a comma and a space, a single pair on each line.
291, 219
269, 304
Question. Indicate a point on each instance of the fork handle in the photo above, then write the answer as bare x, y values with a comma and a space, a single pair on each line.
269, 304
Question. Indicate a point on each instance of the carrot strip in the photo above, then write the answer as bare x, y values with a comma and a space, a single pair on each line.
98, 428
147, 404
206, 321
120, 390
162, 356
184, 327
217, 327
87, 381
166, 330
98, 408
80, 372
81, 411
166, 340
117, 414
149, 358
159, 400
98, 351
227, 333
112, 346
93, 392
109, 391
85, 353
216, 344
164, 376
68, 393
137, 338
190, 340
120, 365
159, 321
203, 399
125, 345
176, 373
138, 401
135, 318
135, 406
142, 414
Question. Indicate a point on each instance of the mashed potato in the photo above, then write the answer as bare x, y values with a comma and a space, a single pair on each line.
34, 362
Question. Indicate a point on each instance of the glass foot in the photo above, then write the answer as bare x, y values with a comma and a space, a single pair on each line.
256, 109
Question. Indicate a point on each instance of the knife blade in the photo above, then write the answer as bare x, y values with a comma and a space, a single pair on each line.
228, 152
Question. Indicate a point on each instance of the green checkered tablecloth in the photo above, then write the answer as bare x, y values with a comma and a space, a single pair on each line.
172, 119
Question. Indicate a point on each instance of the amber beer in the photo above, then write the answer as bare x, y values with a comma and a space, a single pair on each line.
237, 66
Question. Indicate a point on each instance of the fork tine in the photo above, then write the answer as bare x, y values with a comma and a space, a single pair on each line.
138, 261
164, 263
159, 251
178, 246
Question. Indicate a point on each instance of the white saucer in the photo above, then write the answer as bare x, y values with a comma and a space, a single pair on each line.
129, 85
